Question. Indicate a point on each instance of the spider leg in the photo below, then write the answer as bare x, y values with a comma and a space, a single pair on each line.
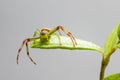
27, 49
45, 29
59, 33
25, 42
19, 50
66, 32
36, 33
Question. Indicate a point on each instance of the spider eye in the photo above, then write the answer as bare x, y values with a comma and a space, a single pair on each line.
43, 32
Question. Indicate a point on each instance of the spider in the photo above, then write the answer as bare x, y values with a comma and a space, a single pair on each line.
44, 35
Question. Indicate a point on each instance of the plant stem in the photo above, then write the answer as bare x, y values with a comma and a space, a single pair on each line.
105, 61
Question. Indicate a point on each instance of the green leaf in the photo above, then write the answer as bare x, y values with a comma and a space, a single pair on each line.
66, 43
118, 31
112, 41
113, 77
118, 45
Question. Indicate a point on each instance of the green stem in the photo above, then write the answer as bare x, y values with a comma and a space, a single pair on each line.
105, 61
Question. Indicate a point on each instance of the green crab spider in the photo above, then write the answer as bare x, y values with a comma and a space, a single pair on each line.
42, 37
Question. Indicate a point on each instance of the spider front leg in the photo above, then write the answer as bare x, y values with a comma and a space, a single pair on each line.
25, 42
66, 32
36, 33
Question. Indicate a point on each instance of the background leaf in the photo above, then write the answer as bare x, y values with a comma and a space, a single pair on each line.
118, 31
113, 77
118, 45
112, 41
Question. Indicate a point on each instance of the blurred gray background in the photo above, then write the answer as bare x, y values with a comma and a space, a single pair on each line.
91, 20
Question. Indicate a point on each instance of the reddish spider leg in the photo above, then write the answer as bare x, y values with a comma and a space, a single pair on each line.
25, 42
66, 32
47, 29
